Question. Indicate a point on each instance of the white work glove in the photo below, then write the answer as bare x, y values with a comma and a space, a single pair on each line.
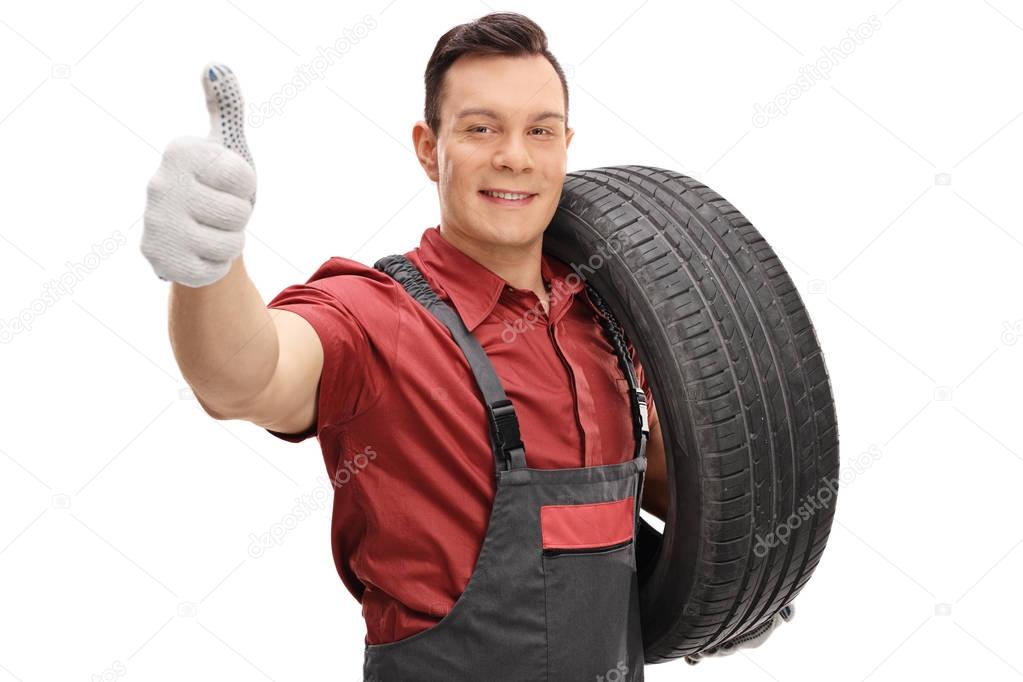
201, 196
747, 640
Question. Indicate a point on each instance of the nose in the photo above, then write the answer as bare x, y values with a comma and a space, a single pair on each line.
512, 154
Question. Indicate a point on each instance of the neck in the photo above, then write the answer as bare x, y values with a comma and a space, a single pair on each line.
517, 265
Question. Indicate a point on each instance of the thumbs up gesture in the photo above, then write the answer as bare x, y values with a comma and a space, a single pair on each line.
200, 198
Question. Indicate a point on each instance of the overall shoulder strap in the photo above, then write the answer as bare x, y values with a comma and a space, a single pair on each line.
637, 398
505, 439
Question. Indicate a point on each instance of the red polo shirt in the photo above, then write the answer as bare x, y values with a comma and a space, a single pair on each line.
403, 430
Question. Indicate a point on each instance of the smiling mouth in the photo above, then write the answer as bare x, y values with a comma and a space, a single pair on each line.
507, 198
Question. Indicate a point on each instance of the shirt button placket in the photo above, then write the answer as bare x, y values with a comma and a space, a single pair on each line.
588, 434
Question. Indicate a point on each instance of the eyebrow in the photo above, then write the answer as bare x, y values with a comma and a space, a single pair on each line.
478, 111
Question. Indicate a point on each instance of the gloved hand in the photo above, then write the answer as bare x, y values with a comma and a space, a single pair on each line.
747, 640
201, 196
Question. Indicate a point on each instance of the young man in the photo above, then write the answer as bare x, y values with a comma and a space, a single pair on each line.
531, 576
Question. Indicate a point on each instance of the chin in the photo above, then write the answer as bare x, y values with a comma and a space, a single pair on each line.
518, 235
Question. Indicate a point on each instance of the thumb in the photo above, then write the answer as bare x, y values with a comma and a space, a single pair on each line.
225, 105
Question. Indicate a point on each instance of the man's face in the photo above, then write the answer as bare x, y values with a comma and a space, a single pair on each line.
502, 127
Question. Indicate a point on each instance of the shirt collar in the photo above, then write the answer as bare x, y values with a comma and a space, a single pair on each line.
474, 290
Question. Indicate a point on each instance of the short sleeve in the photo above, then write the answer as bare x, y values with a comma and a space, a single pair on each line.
352, 373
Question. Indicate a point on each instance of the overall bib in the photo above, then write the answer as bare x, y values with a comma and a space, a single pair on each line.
544, 601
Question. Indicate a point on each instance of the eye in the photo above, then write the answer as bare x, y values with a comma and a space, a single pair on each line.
475, 128
544, 130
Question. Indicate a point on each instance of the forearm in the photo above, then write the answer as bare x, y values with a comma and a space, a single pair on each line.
224, 340
655, 485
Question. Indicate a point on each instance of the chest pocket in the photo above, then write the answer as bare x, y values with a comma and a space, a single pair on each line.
592, 604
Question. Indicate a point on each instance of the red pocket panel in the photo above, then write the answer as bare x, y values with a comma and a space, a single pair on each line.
581, 526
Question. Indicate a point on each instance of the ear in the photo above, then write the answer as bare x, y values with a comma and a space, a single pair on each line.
426, 149
568, 136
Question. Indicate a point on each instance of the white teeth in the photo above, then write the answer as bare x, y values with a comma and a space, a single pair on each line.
504, 195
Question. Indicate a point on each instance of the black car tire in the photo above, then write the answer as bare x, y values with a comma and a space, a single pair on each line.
741, 391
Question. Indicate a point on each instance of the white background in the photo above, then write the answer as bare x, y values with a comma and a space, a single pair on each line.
890, 190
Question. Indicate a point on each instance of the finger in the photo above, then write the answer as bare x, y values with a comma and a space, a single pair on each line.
218, 209
225, 105
227, 171
218, 246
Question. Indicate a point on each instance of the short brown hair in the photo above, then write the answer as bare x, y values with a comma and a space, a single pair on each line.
506, 33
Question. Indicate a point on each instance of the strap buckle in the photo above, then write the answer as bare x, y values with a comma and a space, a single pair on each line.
505, 427
639, 411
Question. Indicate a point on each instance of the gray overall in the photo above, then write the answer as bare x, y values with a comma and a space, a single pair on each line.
537, 606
